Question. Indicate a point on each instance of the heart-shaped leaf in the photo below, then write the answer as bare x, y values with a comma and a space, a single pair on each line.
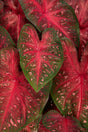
52, 13
19, 103
70, 88
5, 39
57, 123
39, 59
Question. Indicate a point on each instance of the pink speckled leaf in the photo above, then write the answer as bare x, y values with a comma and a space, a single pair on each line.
70, 88
52, 13
57, 123
40, 59
5, 39
19, 103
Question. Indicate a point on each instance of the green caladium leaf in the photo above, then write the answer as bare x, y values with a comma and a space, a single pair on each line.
70, 87
5, 39
19, 103
40, 59
52, 13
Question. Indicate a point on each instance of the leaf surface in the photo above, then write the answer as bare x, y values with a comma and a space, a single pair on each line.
57, 123
52, 13
39, 59
5, 39
19, 103
70, 88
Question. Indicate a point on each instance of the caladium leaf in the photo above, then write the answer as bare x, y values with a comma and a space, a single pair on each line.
12, 18
19, 103
5, 39
39, 59
55, 122
81, 9
70, 88
52, 13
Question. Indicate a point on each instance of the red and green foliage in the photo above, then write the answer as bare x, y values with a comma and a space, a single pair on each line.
39, 59
52, 13
43, 66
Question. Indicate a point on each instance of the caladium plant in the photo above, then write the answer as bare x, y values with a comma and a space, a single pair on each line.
40, 59
41, 53
52, 13
70, 88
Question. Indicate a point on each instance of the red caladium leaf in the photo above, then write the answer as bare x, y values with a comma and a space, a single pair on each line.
70, 88
57, 123
81, 9
5, 39
52, 13
12, 18
39, 59
19, 103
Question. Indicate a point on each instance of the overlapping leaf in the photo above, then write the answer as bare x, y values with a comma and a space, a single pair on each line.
19, 103
5, 39
70, 88
52, 13
81, 9
12, 18
39, 59
57, 123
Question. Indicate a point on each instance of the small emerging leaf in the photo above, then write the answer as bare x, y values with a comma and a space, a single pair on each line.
39, 59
